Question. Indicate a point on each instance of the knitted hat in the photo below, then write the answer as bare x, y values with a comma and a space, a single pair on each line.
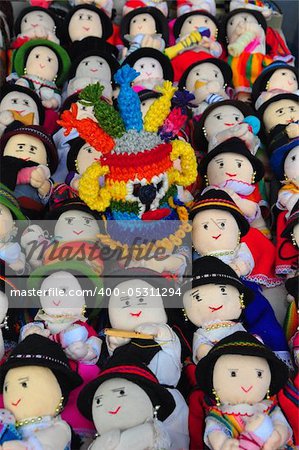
93, 46
180, 20
260, 83
107, 28
279, 150
30, 9
291, 222
36, 350
222, 65
37, 132
218, 199
22, 53
199, 136
240, 343
155, 54
211, 270
256, 14
233, 145
120, 367
7, 199
7, 88
158, 16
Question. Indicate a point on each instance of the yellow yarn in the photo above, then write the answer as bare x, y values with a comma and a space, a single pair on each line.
118, 189
160, 109
188, 173
96, 197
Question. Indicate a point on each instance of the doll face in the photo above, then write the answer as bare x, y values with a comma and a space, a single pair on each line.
148, 68
42, 62
20, 103
281, 112
85, 112
120, 404
214, 230
204, 304
86, 156
296, 233
28, 148
6, 221
221, 118
283, 79
196, 21
204, 72
85, 23
36, 19
3, 308
75, 225
62, 295
142, 24
94, 67
291, 164
241, 379
24, 392
126, 311
229, 166
145, 106
235, 21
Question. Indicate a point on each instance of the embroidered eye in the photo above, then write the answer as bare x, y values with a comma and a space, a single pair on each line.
293, 158
89, 17
83, 108
127, 302
46, 293
14, 101
206, 227
141, 300
280, 111
5, 389
218, 117
89, 150
62, 291
134, 21
239, 165
144, 20
86, 63
50, 59
237, 118
197, 74
245, 19
216, 75
190, 22
197, 298
25, 20
141, 66
153, 65
206, 20
32, 149
259, 373
24, 384
122, 392
69, 221
221, 165
98, 401
87, 221
233, 373
223, 290
37, 56
80, 16
222, 225
292, 108
25, 102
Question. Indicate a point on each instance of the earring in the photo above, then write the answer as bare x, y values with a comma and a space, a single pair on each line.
239, 237
60, 406
216, 397
83, 311
216, 34
286, 177
253, 177
204, 131
224, 86
206, 180
185, 315
156, 409
25, 71
241, 297
268, 394
55, 78
267, 85
77, 166
294, 242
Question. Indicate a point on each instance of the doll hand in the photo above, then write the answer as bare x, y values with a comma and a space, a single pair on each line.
15, 445
45, 188
159, 331
22, 82
149, 41
108, 441
6, 117
51, 104
34, 329
38, 177
241, 268
205, 42
274, 441
230, 444
203, 350
115, 342
19, 265
292, 130
77, 351
213, 87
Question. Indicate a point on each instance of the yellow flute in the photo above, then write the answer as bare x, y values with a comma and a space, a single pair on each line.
127, 334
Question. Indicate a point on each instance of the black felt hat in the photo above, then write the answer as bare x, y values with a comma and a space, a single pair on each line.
158, 16
180, 20
218, 199
276, 98
147, 94
222, 65
31, 9
148, 52
256, 14
241, 343
233, 145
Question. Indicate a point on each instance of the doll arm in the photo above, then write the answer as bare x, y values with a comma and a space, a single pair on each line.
50, 98
22, 82
114, 342
243, 263
33, 328
201, 346
286, 199
249, 208
55, 437
281, 427
94, 346
218, 437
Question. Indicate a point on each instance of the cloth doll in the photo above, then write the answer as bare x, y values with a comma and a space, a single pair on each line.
35, 368
153, 67
28, 158
136, 304
209, 80
231, 166
8, 430
66, 287
85, 20
224, 120
3, 319
148, 197
94, 61
185, 6
20, 103
147, 98
104, 5
266, 8
245, 415
42, 66
129, 408
34, 234
10, 252
287, 243
143, 27
130, 5
277, 78
35, 22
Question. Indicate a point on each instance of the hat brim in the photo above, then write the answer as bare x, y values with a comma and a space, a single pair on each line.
199, 136
160, 19
222, 65
261, 110
229, 346
279, 155
147, 94
155, 54
180, 20
19, 61
257, 15
237, 146
166, 400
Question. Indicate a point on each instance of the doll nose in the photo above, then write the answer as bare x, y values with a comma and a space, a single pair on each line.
147, 194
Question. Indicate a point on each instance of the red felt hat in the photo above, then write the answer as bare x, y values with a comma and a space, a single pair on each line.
181, 62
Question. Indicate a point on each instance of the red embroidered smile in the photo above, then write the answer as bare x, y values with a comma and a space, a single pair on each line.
215, 309
246, 390
86, 28
94, 70
115, 411
77, 232
229, 124
20, 112
216, 237
230, 174
56, 303
16, 404
26, 159
42, 66
136, 314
